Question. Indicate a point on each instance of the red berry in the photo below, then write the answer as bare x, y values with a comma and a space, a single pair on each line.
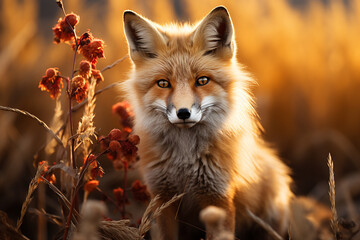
72, 18
134, 139
115, 134
50, 72
114, 146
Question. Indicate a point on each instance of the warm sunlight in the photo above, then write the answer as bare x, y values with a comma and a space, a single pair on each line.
87, 123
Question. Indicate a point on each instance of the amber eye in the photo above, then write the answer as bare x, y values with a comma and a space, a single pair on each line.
201, 81
163, 83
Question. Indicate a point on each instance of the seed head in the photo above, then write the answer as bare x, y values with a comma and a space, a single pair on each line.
85, 69
79, 88
64, 29
52, 82
91, 48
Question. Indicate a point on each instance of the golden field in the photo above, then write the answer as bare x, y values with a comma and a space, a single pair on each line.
306, 62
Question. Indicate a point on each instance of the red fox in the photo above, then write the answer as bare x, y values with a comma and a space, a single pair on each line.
199, 130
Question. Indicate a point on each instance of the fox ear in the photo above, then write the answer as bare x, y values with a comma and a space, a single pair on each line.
214, 34
143, 38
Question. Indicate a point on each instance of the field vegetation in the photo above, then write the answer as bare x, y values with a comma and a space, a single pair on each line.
306, 61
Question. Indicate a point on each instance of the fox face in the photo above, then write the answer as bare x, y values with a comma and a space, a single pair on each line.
181, 75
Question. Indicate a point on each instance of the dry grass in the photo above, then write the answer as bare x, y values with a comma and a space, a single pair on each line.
334, 220
32, 187
56, 123
42, 123
264, 225
153, 211
86, 128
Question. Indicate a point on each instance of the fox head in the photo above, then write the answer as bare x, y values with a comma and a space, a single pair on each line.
183, 75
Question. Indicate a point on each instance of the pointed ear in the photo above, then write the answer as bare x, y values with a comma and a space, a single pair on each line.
214, 34
142, 36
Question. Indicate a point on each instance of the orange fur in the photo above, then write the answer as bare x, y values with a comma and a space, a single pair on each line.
214, 153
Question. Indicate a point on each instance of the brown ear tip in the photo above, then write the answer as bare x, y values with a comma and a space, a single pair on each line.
220, 9
128, 13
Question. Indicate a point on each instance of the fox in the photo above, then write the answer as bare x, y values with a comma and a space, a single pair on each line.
200, 134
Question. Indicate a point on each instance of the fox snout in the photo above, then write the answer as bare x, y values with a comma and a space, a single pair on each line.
184, 117
205, 110
183, 113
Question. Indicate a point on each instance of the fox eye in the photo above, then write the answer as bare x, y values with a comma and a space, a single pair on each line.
201, 81
163, 83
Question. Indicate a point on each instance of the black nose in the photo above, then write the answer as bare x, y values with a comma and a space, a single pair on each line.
183, 113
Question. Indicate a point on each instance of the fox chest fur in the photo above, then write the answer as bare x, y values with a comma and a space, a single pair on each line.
186, 163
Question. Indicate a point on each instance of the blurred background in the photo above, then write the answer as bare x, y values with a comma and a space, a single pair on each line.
305, 56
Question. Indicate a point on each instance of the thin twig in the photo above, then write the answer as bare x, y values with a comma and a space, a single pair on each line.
264, 225
80, 105
114, 64
75, 108
60, 5
43, 124
69, 82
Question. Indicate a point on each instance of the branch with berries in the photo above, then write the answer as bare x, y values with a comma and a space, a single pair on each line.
120, 145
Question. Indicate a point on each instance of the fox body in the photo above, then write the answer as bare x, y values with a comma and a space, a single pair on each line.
198, 128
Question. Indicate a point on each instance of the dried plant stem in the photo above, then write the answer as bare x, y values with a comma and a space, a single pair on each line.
77, 188
264, 225
50, 217
114, 63
72, 158
69, 82
61, 5
32, 187
334, 220
153, 211
72, 145
86, 128
123, 212
62, 197
43, 124
56, 122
